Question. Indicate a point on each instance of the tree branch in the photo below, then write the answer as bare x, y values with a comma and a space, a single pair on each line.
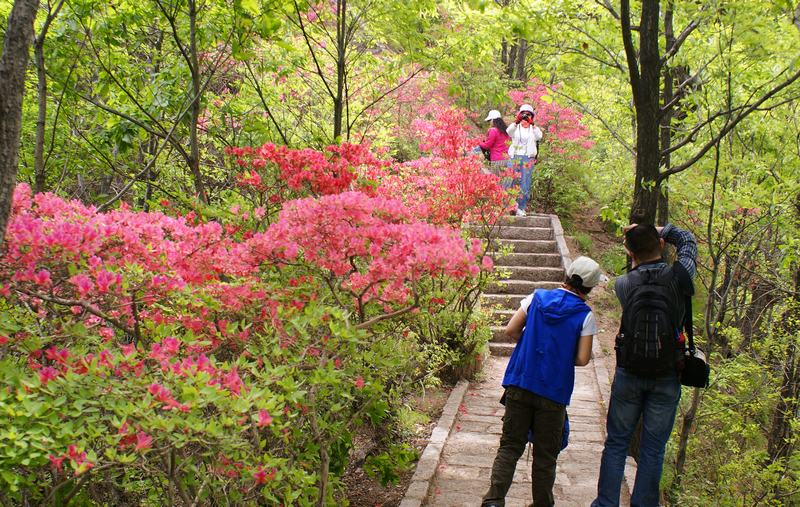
313, 53
727, 128
386, 316
260, 93
607, 6
584, 108
74, 302
679, 40
627, 42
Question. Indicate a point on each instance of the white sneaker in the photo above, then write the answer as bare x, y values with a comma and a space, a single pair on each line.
520, 212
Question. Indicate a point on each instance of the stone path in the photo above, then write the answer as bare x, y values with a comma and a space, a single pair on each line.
463, 473
465, 455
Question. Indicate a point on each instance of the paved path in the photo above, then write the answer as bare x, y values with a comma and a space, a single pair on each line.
463, 473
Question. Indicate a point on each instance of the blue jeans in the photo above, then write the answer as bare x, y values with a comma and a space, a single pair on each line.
523, 169
656, 401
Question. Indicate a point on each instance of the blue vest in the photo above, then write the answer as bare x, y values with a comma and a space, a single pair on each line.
543, 361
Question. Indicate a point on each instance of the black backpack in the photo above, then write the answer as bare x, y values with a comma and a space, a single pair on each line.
646, 344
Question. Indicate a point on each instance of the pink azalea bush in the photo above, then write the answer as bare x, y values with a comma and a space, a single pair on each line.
561, 125
229, 360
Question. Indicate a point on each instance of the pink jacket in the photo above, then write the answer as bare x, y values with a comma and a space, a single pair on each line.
497, 144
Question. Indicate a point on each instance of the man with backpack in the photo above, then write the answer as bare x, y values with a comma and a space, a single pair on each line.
650, 351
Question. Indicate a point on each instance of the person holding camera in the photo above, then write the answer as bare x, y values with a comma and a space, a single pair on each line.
522, 151
649, 347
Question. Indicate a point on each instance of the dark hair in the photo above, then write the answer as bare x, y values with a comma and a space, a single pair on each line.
499, 124
643, 241
576, 282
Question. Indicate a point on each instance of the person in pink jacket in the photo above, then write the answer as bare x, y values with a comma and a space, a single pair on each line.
496, 143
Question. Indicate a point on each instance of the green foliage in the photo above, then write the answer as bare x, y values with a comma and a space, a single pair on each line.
727, 463
388, 466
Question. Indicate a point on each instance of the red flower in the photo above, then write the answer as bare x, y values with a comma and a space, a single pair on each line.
47, 374
56, 462
143, 441
264, 419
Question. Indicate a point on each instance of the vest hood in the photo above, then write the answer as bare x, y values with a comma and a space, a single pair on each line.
558, 304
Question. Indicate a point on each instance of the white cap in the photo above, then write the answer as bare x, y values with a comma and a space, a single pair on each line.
493, 114
588, 270
526, 107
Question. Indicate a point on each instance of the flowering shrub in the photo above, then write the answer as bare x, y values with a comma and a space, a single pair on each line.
147, 356
444, 191
443, 132
274, 174
562, 125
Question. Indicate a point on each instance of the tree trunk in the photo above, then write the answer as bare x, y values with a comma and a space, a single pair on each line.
13, 63
512, 59
341, 62
194, 143
645, 82
522, 51
40, 175
665, 124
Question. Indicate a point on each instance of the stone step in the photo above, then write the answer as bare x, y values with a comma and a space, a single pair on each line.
500, 317
552, 260
535, 274
528, 245
528, 221
529, 233
502, 301
523, 287
501, 349
499, 335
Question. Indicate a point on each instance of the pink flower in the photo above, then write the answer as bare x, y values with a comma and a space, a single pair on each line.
42, 277
359, 382
47, 374
262, 476
487, 263
56, 462
232, 381
83, 284
143, 441
264, 419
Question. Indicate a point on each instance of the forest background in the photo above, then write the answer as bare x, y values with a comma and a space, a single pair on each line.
237, 240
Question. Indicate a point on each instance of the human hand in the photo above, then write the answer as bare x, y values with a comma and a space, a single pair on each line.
519, 118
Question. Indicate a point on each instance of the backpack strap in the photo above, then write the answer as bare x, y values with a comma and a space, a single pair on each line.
687, 323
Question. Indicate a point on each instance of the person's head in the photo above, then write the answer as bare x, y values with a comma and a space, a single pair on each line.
527, 114
583, 275
643, 243
499, 124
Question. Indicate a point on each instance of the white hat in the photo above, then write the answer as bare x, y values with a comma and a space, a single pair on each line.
493, 114
588, 270
526, 107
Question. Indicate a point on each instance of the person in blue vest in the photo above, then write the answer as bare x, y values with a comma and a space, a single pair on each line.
555, 329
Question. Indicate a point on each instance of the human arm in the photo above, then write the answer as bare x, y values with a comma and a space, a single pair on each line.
584, 354
516, 324
491, 139
511, 129
685, 246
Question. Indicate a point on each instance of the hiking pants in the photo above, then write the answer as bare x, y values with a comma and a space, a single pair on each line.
524, 410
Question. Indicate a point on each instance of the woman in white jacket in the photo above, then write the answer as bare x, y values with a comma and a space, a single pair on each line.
522, 152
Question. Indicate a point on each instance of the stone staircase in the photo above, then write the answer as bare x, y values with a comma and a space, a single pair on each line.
537, 261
